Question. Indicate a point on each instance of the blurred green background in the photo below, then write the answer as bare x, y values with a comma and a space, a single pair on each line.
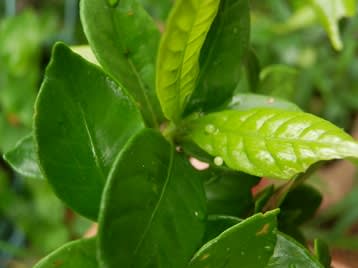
289, 48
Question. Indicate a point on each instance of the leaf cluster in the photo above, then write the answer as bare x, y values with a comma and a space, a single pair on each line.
114, 140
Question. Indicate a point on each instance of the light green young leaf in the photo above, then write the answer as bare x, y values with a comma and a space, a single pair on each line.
248, 244
125, 40
178, 58
153, 207
329, 12
268, 142
222, 56
83, 119
23, 158
76, 254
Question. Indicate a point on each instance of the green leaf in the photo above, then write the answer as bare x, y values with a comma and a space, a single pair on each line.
268, 142
76, 254
153, 207
247, 101
289, 253
23, 158
125, 40
216, 224
178, 58
83, 119
321, 250
222, 56
329, 12
229, 192
252, 70
248, 244
299, 205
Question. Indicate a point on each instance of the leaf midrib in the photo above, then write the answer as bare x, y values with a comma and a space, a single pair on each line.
157, 205
182, 61
133, 67
94, 150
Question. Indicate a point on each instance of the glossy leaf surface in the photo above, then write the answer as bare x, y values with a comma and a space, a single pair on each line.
329, 12
243, 102
229, 192
23, 158
83, 119
222, 55
248, 244
178, 58
125, 40
153, 208
77, 254
268, 142
289, 253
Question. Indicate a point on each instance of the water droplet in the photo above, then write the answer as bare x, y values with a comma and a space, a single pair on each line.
235, 30
242, 253
227, 249
268, 248
218, 161
210, 129
270, 100
113, 3
200, 215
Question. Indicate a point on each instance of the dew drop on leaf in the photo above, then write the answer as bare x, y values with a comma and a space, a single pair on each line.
218, 161
210, 129
268, 248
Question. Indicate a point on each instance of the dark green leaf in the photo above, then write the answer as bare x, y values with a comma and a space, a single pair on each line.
299, 205
242, 102
229, 192
77, 254
268, 142
322, 252
125, 40
252, 70
216, 224
82, 121
178, 58
248, 244
153, 207
288, 253
23, 158
222, 55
